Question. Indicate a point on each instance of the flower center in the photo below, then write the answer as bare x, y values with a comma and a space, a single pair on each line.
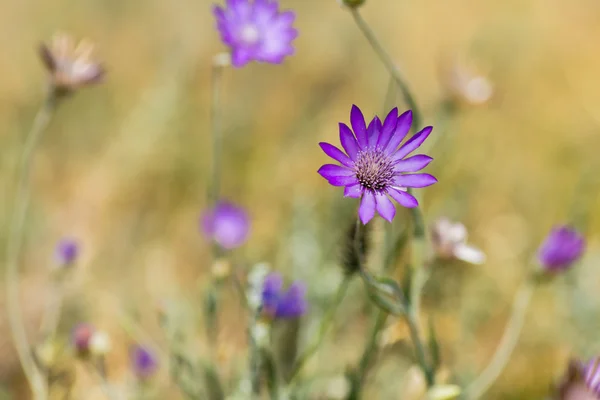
250, 34
374, 169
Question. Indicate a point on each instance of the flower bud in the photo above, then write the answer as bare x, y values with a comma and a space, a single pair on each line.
143, 362
66, 252
81, 337
352, 3
562, 247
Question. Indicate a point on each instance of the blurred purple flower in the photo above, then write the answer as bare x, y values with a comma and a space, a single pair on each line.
256, 31
226, 224
591, 375
562, 247
581, 381
277, 303
81, 336
143, 362
66, 251
374, 166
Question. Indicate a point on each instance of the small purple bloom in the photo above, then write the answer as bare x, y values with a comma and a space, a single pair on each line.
374, 165
226, 224
67, 251
143, 362
562, 247
283, 304
256, 31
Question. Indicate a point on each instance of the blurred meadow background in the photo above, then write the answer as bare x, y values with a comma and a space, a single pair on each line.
124, 166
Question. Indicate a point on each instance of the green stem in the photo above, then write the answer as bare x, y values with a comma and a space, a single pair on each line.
367, 356
323, 328
213, 195
507, 344
415, 336
15, 244
217, 134
389, 64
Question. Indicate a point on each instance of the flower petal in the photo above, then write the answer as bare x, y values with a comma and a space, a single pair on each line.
412, 144
389, 125
415, 180
412, 164
402, 127
373, 132
469, 254
353, 191
329, 171
336, 154
403, 198
385, 207
337, 175
358, 125
366, 211
348, 141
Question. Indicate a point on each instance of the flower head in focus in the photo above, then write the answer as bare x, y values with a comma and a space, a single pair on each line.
449, 241
71, 67
562, 247
143, 362
374, 167
255, 30
277, 303
66, 252
226, 224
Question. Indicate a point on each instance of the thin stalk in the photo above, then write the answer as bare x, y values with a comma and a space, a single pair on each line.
507, 344
389, 64
369, 352
15, 243
216, 132
323, 328
415, 336
52, 315
213, 193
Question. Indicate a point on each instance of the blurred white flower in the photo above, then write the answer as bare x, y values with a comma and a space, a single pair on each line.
449, 241
465, 85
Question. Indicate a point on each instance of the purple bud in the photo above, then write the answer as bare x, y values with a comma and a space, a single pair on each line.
562, 247
66, 252
278, 303
226, 224
143, 362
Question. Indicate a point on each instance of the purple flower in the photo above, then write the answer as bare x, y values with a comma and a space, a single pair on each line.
562, 247
226, 224
374, 166
591, 375
256, 30
277, 303
143, 362
67, 251
580, 382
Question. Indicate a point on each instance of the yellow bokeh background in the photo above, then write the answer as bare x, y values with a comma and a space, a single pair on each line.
124, 167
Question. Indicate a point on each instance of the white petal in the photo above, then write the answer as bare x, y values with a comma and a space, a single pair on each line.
469, 254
